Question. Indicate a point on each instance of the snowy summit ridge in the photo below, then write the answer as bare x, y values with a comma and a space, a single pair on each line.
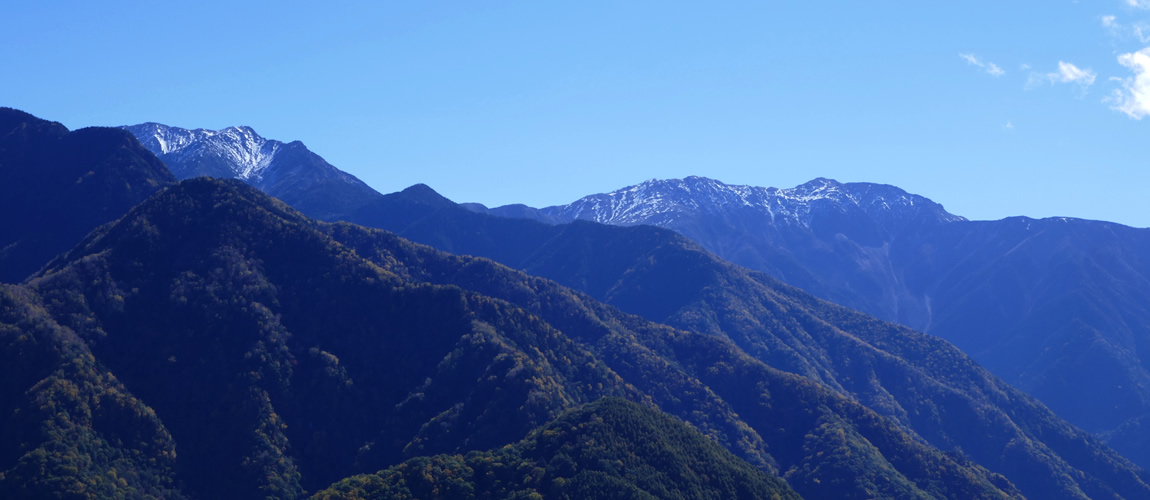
288, 171
242, 148
662, 202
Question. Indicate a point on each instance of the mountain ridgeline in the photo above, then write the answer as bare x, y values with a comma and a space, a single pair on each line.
288, 171
823, 236
1056, 307
57, 185
637, 453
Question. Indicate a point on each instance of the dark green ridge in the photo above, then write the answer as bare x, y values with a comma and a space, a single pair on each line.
611, 448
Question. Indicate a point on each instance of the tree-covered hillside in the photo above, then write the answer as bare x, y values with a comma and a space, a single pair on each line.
611, 448
277, 355
56, 186
1055, 307
923, 383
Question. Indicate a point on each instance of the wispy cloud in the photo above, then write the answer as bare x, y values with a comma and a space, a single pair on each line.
989, 67
1009, 127
1111, 24
1134, 96
1139, 30
1067, 73
1139, 4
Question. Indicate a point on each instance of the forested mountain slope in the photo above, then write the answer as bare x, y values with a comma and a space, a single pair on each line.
611, 448
920, 381
56, 186
1056, 307
263, 353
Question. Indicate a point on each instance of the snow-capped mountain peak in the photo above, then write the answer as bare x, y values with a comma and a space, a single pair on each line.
664, 202
245, 152
288, 171
161, 139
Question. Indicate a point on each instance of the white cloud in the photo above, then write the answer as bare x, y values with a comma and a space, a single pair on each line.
1009, 127
1067, 73
1139, 4
1024, 67
1134, 96
1109, 22
989, 67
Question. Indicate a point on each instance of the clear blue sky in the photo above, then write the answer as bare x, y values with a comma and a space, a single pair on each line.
991, 108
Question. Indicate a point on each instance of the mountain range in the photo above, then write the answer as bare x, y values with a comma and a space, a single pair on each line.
1057, 307
213, 342
892, 254
900, 374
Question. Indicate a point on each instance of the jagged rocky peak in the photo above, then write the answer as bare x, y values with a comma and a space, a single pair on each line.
288, 171
245, 151
161, 139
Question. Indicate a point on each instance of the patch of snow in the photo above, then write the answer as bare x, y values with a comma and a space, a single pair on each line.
242, 149
662, 202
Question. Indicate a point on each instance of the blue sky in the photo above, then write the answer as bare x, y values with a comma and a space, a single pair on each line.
991, 108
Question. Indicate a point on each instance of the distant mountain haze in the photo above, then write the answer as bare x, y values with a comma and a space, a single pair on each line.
1057, 307
288, 171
